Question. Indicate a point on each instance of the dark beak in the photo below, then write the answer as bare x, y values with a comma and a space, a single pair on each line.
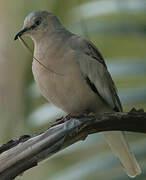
20, 33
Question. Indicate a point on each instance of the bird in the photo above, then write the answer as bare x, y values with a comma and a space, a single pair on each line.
72, 74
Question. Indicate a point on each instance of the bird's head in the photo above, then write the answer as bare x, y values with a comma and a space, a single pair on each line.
36, 23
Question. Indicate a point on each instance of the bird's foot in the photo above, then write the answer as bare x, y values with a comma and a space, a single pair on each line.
69, 116
61, 120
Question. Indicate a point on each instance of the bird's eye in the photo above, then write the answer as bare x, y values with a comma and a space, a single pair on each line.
38, 22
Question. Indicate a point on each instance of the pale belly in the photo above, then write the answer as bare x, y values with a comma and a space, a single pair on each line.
69, 92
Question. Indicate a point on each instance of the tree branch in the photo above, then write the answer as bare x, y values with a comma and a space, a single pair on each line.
19, 155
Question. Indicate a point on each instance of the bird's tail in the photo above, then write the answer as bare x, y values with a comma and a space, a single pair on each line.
120, 147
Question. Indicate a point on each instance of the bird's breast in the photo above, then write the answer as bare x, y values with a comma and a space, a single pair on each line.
68, 90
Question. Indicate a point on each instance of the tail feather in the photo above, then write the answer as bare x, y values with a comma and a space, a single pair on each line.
120, 147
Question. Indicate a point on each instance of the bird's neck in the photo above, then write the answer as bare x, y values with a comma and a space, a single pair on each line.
49, 47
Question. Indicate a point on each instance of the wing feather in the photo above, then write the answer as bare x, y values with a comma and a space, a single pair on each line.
94, 69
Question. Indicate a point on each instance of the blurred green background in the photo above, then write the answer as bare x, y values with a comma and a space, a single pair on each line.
118, 29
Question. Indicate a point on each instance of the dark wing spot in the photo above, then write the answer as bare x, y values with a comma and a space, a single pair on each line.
92, 86
116, 109
94, 89
93, 52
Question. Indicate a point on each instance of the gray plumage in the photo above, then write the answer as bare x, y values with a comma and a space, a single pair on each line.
78, 81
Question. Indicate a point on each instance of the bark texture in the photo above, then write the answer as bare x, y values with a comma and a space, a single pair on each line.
26, 152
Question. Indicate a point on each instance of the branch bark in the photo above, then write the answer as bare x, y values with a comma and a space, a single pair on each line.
26, 152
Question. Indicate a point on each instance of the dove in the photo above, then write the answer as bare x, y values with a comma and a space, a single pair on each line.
72, 74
